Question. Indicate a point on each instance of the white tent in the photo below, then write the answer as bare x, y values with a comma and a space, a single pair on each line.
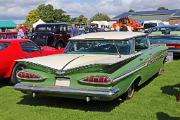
38, 22
100, 23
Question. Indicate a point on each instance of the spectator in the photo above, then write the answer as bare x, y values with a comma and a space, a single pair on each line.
24, 29
102, 29
20, 33
74, 31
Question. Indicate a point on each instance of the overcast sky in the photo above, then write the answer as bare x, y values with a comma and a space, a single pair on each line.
18, 9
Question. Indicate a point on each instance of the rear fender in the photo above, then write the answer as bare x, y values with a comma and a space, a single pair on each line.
9, 72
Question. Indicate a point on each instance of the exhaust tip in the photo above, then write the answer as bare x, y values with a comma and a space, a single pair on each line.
33, 95
88, 99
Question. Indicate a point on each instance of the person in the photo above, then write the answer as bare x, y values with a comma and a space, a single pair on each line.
20, 33
24, 29
102, 29
74, 31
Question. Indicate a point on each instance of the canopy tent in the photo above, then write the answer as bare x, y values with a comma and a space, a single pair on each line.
100, 23
7, 24
38, 22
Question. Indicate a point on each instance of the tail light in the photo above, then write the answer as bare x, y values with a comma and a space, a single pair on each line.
174, 46
96, 80
24, 75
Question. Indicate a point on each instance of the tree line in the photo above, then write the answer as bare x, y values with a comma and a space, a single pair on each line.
48, 14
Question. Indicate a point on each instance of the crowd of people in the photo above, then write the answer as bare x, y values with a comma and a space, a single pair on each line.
126, 24
123, 24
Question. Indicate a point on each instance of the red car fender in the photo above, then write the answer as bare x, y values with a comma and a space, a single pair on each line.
8, 74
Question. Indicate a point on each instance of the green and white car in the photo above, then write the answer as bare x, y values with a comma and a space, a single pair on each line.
95, 66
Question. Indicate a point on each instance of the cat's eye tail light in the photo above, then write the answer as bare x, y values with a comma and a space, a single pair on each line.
96, 80
24, 75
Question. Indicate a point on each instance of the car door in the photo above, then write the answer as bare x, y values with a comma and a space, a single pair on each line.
147, 57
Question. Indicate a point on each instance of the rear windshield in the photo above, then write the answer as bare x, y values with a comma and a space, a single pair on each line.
4, 45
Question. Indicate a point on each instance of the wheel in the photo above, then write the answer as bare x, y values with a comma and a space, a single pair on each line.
129, 93
161, 70
59, 45
18, 67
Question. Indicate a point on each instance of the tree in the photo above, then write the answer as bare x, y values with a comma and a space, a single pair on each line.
80, 20
162, 8
32, 18
60, 16
47, 13
100, 17
131, 10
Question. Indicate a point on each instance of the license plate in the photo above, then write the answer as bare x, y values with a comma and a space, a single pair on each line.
63, 83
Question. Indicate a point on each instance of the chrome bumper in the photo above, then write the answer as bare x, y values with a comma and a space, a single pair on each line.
67, 91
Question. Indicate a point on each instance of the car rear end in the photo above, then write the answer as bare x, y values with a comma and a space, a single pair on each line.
172, 42
78, 83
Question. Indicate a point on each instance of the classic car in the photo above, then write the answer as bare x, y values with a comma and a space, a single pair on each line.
166, 36
14, 49
95, 66
52, 34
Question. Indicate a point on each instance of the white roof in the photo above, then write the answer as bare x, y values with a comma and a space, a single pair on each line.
38, 22
108, 36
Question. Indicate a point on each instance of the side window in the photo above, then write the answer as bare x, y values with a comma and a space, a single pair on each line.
4, 45
29, 46
141, 43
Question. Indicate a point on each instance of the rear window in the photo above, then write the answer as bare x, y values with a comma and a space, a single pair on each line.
4, 45
164, 40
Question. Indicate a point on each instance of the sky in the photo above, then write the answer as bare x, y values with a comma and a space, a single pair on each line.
18, 9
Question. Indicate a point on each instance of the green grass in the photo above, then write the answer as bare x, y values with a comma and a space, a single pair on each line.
155, 100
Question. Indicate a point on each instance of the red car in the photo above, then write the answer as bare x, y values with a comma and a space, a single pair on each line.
14, 49
8, 35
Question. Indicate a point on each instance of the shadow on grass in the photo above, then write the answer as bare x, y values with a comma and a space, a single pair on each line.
173, 90
4, 83
70, 103
57, 102
165, 116
146, 82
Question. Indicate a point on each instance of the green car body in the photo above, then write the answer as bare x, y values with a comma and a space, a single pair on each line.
93, 75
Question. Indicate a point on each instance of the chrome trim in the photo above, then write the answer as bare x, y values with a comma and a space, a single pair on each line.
66, 91
174, 50
129, 73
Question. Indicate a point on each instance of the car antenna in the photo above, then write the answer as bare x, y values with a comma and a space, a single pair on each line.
117, 49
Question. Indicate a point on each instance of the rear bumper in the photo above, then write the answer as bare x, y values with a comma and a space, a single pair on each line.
104, 95
174, 50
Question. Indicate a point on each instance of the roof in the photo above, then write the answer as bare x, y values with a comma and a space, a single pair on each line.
154, 12
14, 40
108, 36
177, 14
7, 24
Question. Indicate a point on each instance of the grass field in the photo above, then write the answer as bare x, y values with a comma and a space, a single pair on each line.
155, 100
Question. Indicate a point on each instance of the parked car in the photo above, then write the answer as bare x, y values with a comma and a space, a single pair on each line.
166, 36
95, 66
14, 49
8, 35
152, 23
52, 34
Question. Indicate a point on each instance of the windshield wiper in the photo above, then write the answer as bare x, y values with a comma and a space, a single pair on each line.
116, 48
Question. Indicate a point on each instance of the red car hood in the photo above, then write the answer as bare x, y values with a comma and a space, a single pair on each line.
48, 48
